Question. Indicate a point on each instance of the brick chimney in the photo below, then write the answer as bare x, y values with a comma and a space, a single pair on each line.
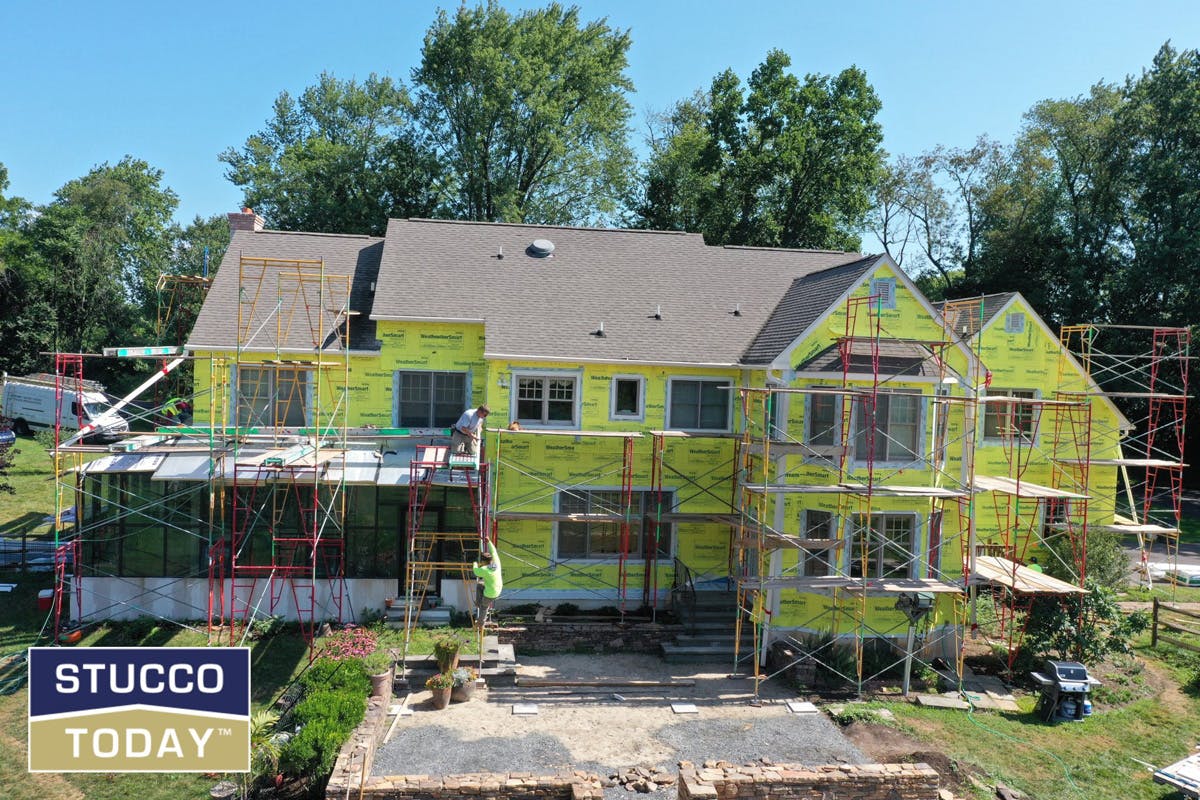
245, 220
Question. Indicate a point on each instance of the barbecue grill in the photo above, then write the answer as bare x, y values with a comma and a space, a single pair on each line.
1066, 691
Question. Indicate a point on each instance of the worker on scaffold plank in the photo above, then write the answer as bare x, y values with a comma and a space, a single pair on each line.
464, 438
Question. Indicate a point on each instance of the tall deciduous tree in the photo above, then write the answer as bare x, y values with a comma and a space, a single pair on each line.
341, 158
779, 162
88, 274
528, 113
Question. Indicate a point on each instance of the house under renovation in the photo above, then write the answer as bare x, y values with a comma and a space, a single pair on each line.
802, 431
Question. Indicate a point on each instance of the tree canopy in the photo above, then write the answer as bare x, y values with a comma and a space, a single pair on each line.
342, 158
779, 162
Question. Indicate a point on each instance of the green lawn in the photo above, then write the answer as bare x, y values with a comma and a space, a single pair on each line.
33, 496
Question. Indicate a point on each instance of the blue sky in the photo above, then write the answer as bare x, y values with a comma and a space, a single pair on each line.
177, 83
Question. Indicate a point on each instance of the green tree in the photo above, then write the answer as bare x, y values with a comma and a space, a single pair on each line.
87, 277
932, 211
528, 113
779, 162
1156, 147
342, 158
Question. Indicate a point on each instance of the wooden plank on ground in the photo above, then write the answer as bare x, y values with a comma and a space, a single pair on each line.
541, 683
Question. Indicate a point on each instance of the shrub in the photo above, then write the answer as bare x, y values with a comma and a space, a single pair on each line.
445, 650
463, 675
350, 643
342, 707
1079, 627
327, 674
314, 749
378, 662
1107, 564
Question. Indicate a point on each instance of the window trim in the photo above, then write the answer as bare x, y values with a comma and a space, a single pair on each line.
726, 382
236, 393
828, 555
993, 441
918, 457
465, 401
670, 500
612, 398
918, 555
575, 375
834, 447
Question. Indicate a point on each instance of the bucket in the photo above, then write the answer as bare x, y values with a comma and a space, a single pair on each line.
45, 600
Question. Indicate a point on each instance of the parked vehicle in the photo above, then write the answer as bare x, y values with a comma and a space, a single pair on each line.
30, 403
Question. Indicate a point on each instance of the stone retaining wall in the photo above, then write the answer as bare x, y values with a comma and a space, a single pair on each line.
723, 781
485, 786
559, 637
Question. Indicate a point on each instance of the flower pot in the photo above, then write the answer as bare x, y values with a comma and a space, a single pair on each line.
441, 697
462, 693
381, 684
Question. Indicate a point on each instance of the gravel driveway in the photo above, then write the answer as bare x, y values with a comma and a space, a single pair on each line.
606, 729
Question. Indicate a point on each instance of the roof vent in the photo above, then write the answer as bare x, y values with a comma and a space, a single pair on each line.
541, 248
737, 310
599, 332
657, 312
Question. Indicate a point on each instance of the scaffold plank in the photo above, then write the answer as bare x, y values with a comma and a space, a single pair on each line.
1125, 462
997, 571
857, 585
888, 490
558, 432
555, 516
989, 483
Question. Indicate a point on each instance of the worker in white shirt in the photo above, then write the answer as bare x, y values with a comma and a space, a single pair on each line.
464, 438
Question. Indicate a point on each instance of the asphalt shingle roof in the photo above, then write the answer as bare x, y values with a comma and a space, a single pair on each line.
806, 299
356, 256
550, 307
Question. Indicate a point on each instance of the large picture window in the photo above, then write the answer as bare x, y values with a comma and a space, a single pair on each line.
699, 405
273, 397
886, 549
1006, 420
897, 428
547, 400
430, 399
601, 538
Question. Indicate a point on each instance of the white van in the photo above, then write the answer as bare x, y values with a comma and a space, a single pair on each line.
29, 403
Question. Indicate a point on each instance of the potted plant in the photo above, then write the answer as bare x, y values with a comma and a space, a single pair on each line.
441, 685
445, 650
379, 666
464, 684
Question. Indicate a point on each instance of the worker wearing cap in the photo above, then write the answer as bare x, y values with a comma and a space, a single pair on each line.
464, 438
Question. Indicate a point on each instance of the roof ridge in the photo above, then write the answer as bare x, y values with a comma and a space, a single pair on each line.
315, 233
789, 249
536, 225
869, 259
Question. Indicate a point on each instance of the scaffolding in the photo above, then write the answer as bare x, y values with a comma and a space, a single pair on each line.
849, 556
613, 507
286, 476
1144, 370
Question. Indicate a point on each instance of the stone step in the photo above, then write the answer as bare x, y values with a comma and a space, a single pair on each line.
713, 638
685, 654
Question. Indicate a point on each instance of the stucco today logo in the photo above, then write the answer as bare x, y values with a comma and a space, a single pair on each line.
139, 709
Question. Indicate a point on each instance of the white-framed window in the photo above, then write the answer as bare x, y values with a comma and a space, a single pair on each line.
896, 434
885, 549
600, 537
429, 399
1003, 421
273, 396
628, 397
817, 524
546, 399
696, 404
822, 420
885, 288
1014, 322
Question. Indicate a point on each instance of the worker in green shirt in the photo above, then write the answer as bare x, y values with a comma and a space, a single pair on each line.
491, 581
1034, 565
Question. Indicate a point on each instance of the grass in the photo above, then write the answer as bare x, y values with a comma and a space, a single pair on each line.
275, 662
33, 497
